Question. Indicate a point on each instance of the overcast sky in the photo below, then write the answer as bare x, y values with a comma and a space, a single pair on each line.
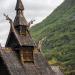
34, 9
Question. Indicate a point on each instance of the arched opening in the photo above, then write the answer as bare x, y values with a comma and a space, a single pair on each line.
3, 68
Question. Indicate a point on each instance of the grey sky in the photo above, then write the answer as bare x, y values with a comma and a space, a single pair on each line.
34, 9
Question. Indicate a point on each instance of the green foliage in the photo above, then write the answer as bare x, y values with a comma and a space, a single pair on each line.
58, 29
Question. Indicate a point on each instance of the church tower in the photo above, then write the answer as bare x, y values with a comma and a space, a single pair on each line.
20, 21
19, 38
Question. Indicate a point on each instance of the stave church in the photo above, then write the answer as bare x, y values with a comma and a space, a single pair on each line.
20, 56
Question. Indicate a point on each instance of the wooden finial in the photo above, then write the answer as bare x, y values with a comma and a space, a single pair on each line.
31, 22
7, 17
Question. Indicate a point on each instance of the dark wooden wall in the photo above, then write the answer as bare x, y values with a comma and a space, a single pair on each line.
3, 68
27, 54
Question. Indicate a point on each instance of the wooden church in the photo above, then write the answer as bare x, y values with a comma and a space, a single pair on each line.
20, 55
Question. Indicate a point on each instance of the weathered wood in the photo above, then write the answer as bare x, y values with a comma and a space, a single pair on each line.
39, 67
31, 69
23, 58
42, 64
12, 62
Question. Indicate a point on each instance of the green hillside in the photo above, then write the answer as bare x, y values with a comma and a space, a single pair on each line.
58, 32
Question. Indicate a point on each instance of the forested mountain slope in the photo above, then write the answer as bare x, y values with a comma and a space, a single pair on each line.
58, 32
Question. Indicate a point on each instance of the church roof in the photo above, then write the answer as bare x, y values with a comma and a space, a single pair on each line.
11, 61
20, 19
19, 5
22, 40
15, 67
26, 40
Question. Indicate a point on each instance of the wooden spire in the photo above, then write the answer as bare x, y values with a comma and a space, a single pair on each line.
19, 5
19, 34
20, 19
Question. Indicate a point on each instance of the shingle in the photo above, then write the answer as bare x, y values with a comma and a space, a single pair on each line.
20, 20
22, 40
15, 67
19, 5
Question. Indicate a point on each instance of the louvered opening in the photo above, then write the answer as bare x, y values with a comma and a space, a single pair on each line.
27, 55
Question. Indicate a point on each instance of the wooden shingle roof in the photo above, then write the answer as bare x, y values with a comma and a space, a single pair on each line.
11, 61
19, 5
21, 40
20, 20
15, 67
26, 40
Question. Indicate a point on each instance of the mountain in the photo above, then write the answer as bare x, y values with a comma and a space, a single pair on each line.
58, 32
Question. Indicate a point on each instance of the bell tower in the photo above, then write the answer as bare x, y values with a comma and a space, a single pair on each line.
19, 38
20, 21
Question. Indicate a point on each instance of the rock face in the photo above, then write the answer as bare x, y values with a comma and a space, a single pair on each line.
15, 67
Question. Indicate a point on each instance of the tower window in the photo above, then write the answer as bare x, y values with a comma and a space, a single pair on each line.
22, 30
